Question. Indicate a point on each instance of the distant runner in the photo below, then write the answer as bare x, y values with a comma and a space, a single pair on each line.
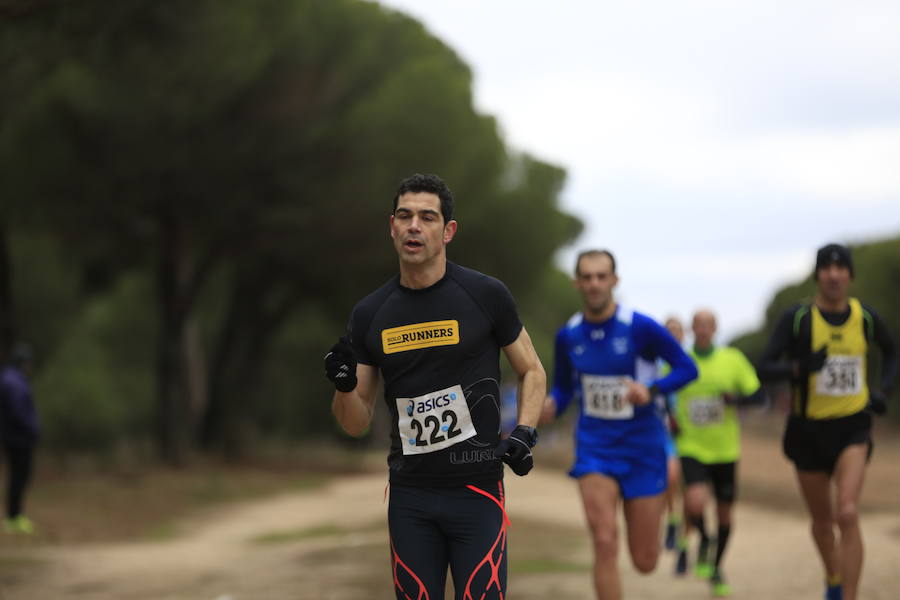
828, 434
709, 443
606, 358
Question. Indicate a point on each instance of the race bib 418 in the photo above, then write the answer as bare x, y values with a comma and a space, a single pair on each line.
604, 397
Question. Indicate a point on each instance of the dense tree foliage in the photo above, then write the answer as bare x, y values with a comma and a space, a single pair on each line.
197, 192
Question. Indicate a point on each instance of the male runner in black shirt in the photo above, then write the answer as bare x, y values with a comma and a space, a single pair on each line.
828, 433
434, 333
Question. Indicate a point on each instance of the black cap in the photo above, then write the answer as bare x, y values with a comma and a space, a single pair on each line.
834, 254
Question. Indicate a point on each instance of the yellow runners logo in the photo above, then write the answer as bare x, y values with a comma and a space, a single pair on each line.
420, 335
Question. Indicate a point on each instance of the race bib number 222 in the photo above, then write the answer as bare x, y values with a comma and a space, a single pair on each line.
434, 421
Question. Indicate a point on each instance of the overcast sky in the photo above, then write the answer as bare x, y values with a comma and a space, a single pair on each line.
712, 146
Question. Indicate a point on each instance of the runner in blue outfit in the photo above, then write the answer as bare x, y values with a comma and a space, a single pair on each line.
606, 359
666, 408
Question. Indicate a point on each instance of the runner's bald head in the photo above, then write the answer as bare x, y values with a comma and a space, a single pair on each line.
704, 328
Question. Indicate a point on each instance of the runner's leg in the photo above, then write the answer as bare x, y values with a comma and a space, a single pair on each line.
816, 489
724, 477
600, 495
672, 489
475, 525
696, 495
419, 556
724, 514
849, 475
642, 517
19, 464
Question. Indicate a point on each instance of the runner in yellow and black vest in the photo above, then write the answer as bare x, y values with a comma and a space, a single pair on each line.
828, 433
709, 442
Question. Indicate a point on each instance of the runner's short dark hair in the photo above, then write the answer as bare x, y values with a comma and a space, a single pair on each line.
607, 253
431, 184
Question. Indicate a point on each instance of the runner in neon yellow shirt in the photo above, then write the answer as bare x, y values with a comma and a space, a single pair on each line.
708, 441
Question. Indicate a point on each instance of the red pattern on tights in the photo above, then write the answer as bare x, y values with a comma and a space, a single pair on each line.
488, 561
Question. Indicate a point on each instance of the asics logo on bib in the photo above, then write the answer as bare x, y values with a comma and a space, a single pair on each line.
432, 403
420, 335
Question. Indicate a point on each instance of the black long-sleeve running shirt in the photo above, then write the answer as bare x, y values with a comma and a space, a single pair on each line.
792, 339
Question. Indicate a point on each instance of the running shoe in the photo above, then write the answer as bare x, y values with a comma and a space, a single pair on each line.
18, 524
834, 592
682, 561
671, 535
720, 589
703, 569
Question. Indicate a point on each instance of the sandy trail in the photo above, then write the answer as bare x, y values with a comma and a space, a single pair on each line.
216, 557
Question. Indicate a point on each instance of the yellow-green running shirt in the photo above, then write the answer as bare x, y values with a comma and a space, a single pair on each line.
709, 430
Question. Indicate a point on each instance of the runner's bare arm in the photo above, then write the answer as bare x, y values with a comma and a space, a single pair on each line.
548, 413
532, 378
354, 409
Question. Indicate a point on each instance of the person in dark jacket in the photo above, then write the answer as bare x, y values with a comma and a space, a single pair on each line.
19, 432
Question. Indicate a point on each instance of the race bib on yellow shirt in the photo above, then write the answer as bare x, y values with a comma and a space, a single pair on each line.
706, 411
840, 376
434, 421
604, 397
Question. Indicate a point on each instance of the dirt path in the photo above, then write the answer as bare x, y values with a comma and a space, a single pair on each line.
330, 544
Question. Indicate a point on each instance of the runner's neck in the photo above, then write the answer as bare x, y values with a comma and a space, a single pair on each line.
704, 352
832, 306
419, 277
600, 316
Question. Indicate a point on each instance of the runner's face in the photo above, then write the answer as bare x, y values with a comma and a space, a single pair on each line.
675, 328
418, 228
834, 282
595, 280
704, 328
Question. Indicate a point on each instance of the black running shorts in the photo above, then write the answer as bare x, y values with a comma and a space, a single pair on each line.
463, 528
816, 444
721, 476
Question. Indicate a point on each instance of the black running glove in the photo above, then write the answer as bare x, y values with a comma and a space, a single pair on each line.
340, 365
877, 402
516, 449
814, 362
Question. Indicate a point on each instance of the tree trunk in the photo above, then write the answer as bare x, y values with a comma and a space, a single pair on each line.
173, 416
236, 370
218, 413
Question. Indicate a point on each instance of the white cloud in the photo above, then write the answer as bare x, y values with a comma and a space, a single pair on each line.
734, 137
861, 164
